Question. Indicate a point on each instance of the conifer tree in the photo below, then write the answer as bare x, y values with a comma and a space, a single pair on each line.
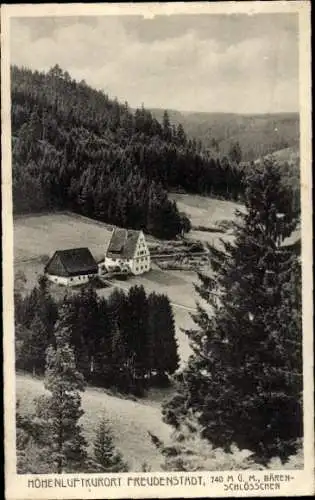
235, 153
118, 356
76, 321
168, 337
166, 124
32, 352
102, 353
244, 378
61, 410
137, 330
88, 324
180, 135
107, 457
162, 353
122, 357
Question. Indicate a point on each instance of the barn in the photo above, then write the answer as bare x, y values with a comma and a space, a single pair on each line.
71, 267
127, 250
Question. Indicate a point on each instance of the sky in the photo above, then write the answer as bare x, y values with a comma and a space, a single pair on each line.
211, 62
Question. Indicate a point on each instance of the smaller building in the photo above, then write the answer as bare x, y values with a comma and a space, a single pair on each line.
71, 267
127, 250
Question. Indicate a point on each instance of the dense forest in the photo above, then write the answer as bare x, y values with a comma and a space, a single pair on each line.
73, 147
128, 339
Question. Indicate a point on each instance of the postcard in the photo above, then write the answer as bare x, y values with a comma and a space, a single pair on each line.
157, 250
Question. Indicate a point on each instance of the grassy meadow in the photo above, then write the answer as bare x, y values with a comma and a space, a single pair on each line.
36, 237
129, 420
204, 211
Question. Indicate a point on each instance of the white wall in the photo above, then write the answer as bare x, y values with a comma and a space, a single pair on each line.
70, 281
112, 263
141, 265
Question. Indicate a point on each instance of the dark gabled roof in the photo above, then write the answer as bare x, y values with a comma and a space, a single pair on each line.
123, 243
75, 261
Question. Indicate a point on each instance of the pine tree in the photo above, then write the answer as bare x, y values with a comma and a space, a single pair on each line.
137, 331
105, 453
61, 410
170, 358
88, 324
101, 359
180, 135
245, 375
32, 351
162, 355
39, 303
166, 126
76, 321
235, 153
122, 358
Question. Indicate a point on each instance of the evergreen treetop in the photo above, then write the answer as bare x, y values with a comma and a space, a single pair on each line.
107, 457
243, 379
61, 410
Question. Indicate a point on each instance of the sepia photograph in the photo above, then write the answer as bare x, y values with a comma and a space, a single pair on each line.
157, 258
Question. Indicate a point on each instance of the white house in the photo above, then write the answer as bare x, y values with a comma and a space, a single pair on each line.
71, 267
127, 250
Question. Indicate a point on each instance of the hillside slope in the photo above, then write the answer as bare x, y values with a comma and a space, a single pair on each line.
257, 135
75, 148
130, 421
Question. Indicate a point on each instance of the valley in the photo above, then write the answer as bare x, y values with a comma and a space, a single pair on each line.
139, 345
258, 135
68, 230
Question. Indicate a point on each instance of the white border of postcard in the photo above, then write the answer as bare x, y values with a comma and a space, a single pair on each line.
296, 482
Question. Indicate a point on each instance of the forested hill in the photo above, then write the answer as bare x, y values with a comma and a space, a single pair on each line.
75, 148
257, 135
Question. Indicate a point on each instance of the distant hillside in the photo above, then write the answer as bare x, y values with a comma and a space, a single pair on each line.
257, 135
290, 155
